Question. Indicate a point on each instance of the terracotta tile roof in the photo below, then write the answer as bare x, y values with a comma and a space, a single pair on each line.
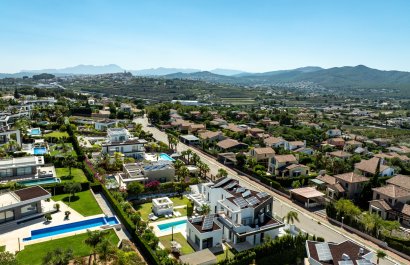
327, 179
256, 130
392, 191
234, 128
228, 143
273, 140
370, 165
337, 187
351, 177
402, 208
264, 150
285, 158
340, 154
381, 204
354, 142
297, 143
292, 166
392, 155
208, 134
401, 181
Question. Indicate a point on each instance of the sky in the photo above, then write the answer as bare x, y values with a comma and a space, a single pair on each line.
253, 35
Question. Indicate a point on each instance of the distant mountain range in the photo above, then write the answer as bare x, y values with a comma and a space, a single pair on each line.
360, 76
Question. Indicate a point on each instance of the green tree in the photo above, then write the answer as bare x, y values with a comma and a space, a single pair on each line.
291, 217
135, 188
380, 254
58, 256
70, 161
240, 160
7, 258
94, 238
72, 188
106, 251
222, 173
205, 209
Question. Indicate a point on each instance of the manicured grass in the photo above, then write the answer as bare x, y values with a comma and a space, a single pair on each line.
57, 134
146, 208
77, 174
83, 202
186, 248
33, 254
222, 256
54, 151
2, 248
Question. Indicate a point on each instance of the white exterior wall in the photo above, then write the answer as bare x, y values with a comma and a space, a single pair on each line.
191, 232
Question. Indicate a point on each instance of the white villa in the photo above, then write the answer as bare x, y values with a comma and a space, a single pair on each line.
25, 168
145, 172
162, 206
239, 216
120, 140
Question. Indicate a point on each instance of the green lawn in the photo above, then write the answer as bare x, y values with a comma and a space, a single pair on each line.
54, 151
77, 174
186, 248
57, 134
222, 256
83, 202
2, 248
33, 254
146, 208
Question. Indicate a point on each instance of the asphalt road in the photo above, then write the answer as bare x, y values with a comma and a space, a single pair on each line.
308, 222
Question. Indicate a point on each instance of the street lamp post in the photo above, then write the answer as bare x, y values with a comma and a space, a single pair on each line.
343, 218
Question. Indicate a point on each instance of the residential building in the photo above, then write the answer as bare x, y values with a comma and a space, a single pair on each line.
120, 140
278, 163
210, 136
333, 133
276, 142
339, 154
352, 184
391, 155
5, 136
390, 201
125, 108
231, 145
162, 171
347, 252
196, 127
24, 168
293, 145
238, 215
189, 139
369, 167
337, 142
162, 206
19, 204
103, 125
262, 154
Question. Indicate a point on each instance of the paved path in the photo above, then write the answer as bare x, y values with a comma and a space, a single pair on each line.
309, 222
108, 210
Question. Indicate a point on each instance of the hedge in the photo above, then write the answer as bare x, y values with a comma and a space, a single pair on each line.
145, 250
57, 189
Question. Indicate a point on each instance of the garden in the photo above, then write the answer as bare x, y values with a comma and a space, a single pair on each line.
83, 202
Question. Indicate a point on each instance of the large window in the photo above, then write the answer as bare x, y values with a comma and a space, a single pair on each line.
23, 171
4, 173
29, 209
6, 216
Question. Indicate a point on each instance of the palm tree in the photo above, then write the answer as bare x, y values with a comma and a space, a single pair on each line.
380, 254
178, 164
291, 217
204, 169
183, 173
205, 209
222, 173
195, 159
106, 251
189, 152
58, 256
94, 238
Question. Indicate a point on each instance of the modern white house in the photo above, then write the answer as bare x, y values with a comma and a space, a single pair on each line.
239, 216
120, 140
162, 171
333, 133
24, 168
162, 206
103, 125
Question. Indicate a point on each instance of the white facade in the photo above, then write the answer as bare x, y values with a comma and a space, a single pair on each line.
120, 140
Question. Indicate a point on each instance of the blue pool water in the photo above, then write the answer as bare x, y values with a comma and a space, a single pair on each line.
166, 157
176, 224
66, 228
39, 150
35, 131
42, 181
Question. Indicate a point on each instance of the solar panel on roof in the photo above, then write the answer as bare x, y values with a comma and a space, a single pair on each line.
231, 185
262, 195
240, 189
364, 262
346, 262
323, 252
240, 202
246, 193
252, 201
208, 222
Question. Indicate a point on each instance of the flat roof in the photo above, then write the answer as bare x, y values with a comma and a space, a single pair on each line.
307, 192
204, 256
190, 137
22, 161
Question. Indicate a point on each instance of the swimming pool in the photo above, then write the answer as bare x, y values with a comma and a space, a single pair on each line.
39, 150
166, 157
181, 224
66, 228
35, 131
41, 181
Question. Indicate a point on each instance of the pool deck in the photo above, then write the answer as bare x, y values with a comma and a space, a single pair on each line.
160, 233
10, 233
